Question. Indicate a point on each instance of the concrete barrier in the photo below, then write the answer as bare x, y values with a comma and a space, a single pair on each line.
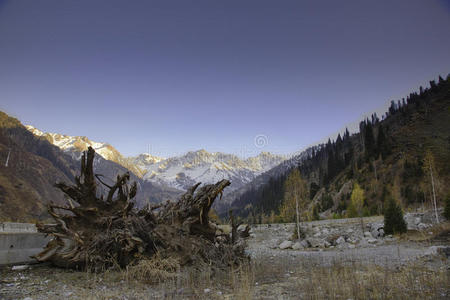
19, 241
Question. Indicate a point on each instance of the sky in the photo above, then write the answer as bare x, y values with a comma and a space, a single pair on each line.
239, 77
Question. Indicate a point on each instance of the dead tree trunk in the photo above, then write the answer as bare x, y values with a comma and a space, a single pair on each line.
101, 231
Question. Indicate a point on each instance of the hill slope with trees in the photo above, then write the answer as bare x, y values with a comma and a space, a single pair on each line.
388, 157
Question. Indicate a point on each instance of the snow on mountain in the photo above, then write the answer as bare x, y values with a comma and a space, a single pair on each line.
180, 172
201, 166
75, 145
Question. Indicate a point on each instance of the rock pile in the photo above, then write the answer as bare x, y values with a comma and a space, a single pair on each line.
348, 234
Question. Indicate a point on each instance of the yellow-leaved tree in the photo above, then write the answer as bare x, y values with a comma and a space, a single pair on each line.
295, 198
430, 176
357, 200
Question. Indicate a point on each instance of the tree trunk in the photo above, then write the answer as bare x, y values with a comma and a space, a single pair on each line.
298, 217
434, 195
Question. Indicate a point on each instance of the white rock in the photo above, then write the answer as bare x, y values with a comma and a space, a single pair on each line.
27, 298
351, 246
367, 234
206, 291
285, 245
371, 241
317, 234
417, 221
422, 226
340, 240
349, 230
20, 267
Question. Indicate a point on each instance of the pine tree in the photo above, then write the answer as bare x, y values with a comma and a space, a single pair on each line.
369, 141
383, 147
447, 207
393, 218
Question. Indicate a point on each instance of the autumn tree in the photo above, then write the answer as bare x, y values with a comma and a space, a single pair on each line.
429, 170
357, 201
295, 198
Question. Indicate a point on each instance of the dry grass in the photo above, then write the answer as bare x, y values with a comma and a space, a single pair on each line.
154, 270
437, 231
282, 278
373, 282
350, 280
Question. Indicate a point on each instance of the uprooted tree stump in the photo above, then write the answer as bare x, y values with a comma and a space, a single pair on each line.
101, 231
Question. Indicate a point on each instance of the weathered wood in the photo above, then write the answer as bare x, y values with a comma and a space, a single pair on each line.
100, 232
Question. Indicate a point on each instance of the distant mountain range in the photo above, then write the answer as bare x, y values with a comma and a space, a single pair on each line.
180, 172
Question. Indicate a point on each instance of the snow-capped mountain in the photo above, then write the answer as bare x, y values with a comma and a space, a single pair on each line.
201, 166
75, 145
179, 172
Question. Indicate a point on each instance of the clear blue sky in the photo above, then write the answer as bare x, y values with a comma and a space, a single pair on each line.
184, 75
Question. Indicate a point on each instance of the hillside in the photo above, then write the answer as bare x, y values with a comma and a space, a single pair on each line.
385, 157
35, 165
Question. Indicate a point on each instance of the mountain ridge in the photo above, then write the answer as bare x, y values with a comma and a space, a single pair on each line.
179, 172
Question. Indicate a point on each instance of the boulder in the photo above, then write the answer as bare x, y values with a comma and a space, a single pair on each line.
316, 242
304, 243
297, 246
340, 240
367, 234
377, 230
438, 250
285, 245
422, 226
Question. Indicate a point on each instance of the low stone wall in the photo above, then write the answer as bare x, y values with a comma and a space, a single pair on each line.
19, 241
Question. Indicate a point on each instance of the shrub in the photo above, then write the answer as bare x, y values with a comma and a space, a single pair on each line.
393, 218
351, 211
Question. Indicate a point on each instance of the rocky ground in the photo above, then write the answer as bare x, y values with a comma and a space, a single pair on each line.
335, 259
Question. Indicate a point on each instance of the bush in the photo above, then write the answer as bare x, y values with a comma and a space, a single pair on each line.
393, 218
447, 207
351, 211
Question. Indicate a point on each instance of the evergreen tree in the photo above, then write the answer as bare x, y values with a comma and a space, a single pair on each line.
383, 147
393, 218
369, 141
447, 207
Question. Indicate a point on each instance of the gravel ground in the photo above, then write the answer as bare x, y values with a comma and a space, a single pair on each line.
277, 274
265, 240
